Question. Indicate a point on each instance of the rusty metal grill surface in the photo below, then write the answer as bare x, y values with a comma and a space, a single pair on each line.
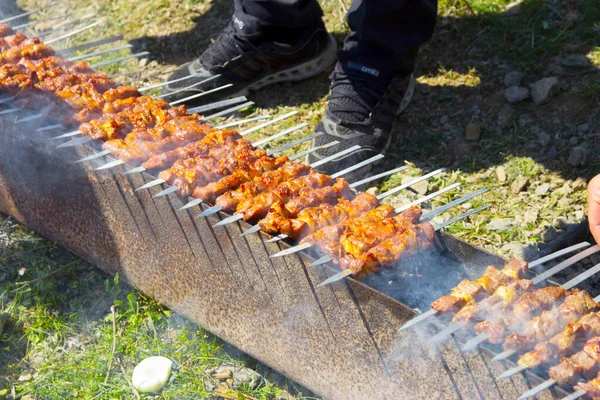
340, 341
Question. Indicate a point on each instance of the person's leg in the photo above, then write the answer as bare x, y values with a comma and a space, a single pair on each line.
266, 42
372, 82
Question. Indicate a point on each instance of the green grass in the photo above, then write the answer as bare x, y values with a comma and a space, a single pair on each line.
59, 329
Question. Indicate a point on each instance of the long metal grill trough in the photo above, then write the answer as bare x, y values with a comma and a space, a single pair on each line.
341, 341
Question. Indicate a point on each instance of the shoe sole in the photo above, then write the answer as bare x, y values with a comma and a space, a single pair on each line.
298, 72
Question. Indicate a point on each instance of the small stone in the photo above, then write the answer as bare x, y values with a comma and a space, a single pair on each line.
543, 90
516, 94
565, 190
560, 223
549, 234
25, 376
583, 129
531, 216
564, 202
467, 206
578, 156
577, 185
579, 215
242, 376
524, 120
552, 153
575, 61
574, 141
543, 137
506, 115
501, 224
542, 189
501, 173
519, 251
513, 78
420, 187
519, 185
473, 132
373, 190
3, 276
143, 62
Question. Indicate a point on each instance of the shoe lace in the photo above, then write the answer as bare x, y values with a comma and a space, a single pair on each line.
353, 96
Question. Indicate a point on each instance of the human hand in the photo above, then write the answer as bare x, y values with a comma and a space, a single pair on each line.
594, 207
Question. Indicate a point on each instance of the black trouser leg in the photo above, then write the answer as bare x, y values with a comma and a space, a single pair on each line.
258, 15
386, 34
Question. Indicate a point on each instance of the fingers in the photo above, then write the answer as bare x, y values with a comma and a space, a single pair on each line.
594, 207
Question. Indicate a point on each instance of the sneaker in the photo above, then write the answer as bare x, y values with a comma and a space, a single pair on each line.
251, 62
361, 110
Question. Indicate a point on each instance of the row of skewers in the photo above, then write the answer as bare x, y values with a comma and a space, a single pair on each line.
555, 327
219, 166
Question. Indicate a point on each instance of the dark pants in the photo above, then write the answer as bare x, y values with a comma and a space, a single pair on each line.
385, 34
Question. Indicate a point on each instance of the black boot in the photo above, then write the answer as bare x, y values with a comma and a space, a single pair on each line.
362, 107
250, 61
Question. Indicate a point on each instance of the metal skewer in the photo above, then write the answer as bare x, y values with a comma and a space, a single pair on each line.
125, 58
294, 143
73, 33
99, 52
198, 95
5, 20
50, 127
227, 111
347, 272
300, 247
217, 104
242, 121
162, 84
88, 45
264, 125
576, 395
31, 23
471, 344
532, 264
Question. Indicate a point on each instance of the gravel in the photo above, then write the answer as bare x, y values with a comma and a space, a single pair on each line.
516, 94
543, 90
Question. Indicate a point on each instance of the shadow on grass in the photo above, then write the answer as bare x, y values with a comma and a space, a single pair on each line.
486, 43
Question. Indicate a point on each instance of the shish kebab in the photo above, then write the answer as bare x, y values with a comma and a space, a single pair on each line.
549, 351
495, 331
590, 388
583, 365
473, 308
484, 286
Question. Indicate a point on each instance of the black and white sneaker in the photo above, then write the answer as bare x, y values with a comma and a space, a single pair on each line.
362, 108
252, 61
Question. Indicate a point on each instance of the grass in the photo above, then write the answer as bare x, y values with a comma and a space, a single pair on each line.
58, 333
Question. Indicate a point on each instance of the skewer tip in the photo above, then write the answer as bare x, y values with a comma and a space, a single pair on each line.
190, 204
291, 250
418, 318
165, 192
510, 372
254, 229
504, 355
277, 238
229, 220
476, 341
339, 276
321, 261
539, 388
209, 211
